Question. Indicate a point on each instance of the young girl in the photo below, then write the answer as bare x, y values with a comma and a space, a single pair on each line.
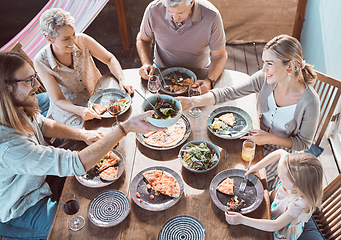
294, 200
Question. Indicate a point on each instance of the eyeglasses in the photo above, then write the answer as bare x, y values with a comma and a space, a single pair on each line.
27, 82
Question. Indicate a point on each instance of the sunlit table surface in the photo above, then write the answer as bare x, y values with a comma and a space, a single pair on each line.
195, 202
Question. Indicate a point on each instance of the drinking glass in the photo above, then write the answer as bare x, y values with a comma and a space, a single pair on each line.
154, 84
115, 109
248, 150
194, 91
70, 206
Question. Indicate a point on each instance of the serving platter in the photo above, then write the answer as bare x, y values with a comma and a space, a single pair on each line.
97, 182
242, 126
253, 194
182, 227
105, 96
141, 138
179, 72
159, 203
108, 208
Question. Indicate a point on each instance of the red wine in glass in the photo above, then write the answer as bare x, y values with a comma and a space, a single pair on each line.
115, 110
71, 207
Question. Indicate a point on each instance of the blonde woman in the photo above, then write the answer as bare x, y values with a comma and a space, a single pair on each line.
296, 197
287, 103
68, 71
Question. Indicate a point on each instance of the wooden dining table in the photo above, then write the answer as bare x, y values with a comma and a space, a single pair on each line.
195, 201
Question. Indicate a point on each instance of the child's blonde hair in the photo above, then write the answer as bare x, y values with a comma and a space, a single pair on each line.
306, 172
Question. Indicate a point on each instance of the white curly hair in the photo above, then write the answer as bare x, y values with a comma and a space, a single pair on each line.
54, 18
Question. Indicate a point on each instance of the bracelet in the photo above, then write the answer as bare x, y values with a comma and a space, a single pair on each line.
122, 129
213, 82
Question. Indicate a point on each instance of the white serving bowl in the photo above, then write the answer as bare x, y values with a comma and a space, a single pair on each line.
162, 123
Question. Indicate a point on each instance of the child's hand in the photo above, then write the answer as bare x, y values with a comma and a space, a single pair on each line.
233, 218
252, 169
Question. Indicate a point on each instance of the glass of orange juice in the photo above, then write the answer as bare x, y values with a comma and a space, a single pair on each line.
248, 150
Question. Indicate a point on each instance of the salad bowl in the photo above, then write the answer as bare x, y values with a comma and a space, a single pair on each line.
171, 113
199, 156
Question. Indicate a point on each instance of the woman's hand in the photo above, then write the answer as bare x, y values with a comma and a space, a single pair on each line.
88, 114
233, 218
126, 87
139, 124
259, 137
91, 136
186, 102
146, 70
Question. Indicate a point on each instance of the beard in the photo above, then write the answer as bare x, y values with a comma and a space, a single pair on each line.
25, 100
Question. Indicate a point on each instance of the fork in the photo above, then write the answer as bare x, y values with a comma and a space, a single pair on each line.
165, 85
244, 181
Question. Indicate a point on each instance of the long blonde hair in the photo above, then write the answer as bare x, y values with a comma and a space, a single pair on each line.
306, 172
10, 115
288, 48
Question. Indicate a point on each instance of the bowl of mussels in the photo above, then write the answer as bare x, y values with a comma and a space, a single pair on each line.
168, 110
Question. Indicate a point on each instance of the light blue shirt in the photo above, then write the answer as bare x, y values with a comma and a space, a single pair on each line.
24, 163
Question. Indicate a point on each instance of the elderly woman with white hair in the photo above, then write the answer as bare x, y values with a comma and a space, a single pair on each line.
67, 69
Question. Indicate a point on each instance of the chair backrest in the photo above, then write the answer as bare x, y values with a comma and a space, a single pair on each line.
328, 219
31, 38
17, 48
329, 90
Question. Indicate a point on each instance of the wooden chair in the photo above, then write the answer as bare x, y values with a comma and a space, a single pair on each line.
18, 48
329, 90
328, 219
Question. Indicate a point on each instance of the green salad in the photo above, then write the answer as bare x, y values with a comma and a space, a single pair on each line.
218, 125
199, 157
166, 108
123, 103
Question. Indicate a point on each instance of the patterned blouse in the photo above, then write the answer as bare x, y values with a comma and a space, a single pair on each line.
77, 83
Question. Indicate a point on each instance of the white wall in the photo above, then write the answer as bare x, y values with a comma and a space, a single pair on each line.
321, 36
321, 43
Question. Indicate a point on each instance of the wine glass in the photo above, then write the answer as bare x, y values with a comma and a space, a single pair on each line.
154, 84
194, 91
115, 109
70, 206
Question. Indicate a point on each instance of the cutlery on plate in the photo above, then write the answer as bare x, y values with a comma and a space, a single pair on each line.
155, 110
233, 132
244, 181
